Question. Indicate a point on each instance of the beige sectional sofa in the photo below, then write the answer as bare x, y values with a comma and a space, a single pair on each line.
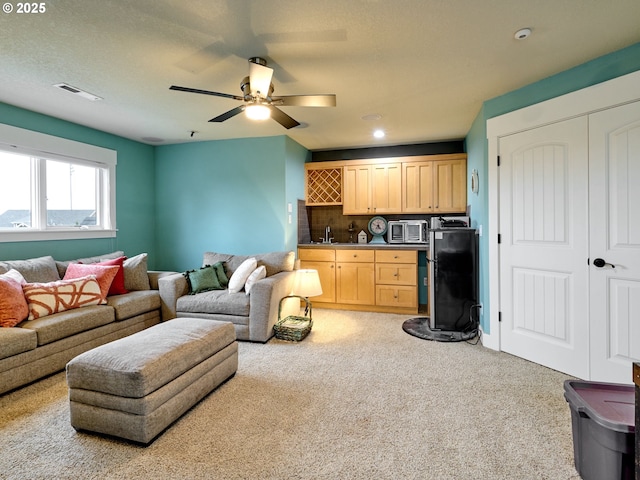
36, 348
253, 315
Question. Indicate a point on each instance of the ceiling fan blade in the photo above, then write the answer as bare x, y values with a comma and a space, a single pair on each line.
229, 114
204, 92
328, 100
282, 118
260, 79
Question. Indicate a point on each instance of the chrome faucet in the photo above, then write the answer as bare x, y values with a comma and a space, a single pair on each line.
327, 235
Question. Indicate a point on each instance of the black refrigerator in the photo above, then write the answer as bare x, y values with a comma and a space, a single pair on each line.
453, 289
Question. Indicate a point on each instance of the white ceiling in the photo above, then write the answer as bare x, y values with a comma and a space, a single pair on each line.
425, 66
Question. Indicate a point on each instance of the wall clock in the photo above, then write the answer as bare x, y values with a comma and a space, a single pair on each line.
378, 227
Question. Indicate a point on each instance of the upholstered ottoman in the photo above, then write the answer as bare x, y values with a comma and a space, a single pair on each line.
137, 386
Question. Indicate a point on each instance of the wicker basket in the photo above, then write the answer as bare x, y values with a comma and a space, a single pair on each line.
293, 328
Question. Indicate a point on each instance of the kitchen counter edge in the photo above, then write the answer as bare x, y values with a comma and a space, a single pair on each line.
367, 246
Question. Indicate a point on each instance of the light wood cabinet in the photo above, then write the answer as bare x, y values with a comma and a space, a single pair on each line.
397, 279
323, 185
322, 260
355, 277
386, 190
357, 190
424, 184
365, 279
417, 187
372, 189
450, 186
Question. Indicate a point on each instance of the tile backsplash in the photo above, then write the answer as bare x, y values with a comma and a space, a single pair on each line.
312, 222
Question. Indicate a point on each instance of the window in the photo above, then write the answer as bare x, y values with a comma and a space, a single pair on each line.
52, 188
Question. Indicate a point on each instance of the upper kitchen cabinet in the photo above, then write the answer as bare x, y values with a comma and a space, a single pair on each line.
372, 189
419, 184
450, 186
323, 184
417, 187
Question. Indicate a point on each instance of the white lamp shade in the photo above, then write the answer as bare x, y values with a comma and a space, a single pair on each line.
255, 111
307, 283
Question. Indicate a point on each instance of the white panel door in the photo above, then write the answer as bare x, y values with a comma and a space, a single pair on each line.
543, 202
614, 173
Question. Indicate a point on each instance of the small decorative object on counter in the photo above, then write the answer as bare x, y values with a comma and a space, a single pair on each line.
362, 237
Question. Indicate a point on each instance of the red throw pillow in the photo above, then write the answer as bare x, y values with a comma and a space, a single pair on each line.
117, 286
104, 275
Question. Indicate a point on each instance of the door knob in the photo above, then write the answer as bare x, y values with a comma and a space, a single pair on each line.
599, 262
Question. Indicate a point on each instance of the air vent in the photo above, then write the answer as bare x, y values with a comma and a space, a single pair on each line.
77, 91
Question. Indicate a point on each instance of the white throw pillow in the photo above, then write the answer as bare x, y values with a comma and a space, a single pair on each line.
239, 277
258, 274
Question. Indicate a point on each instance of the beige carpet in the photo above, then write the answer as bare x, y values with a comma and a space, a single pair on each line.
357, 399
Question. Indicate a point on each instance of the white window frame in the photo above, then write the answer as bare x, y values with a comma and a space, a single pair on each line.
40, 145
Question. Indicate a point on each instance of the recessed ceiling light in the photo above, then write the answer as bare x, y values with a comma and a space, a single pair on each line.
522, 33
378, 133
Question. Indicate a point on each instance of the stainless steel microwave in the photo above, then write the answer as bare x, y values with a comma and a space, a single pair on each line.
408, 231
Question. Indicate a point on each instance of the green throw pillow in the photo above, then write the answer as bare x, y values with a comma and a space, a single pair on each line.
202, 280
222, 275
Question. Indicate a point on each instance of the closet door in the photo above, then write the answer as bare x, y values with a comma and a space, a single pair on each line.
543, 201
614, 190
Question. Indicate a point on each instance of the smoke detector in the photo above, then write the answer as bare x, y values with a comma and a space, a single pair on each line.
522, 33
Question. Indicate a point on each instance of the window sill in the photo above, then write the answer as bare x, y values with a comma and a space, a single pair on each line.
37, 236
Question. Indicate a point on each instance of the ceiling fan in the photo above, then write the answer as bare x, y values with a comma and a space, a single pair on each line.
259, 102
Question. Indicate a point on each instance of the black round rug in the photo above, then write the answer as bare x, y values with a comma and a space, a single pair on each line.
419, 327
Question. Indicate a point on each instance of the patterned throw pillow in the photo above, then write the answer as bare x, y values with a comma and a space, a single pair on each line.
13, 306
48, 298
104, 275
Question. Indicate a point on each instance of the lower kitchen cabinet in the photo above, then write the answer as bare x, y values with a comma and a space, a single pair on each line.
383, 280
397, 278
355, 277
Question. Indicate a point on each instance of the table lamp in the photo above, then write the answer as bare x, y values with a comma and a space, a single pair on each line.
305, 285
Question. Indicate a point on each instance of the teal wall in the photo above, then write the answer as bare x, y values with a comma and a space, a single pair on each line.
599, 70
295, 156
227, 196
135, 192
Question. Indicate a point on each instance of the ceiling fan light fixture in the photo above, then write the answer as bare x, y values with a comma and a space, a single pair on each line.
257, 111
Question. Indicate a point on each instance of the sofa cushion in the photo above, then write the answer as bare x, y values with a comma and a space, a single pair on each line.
64, 324
16, 340
104, 275
202, 280
13, 305
215, 302
34, 270
135, 273
48, 298
274, 262
258, 274
134, 303
117, 286
62, 266
241, 274
221, 274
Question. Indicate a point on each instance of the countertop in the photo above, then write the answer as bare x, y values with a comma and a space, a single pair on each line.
367, 246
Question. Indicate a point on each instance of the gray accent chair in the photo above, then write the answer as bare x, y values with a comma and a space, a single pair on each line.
253, 315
